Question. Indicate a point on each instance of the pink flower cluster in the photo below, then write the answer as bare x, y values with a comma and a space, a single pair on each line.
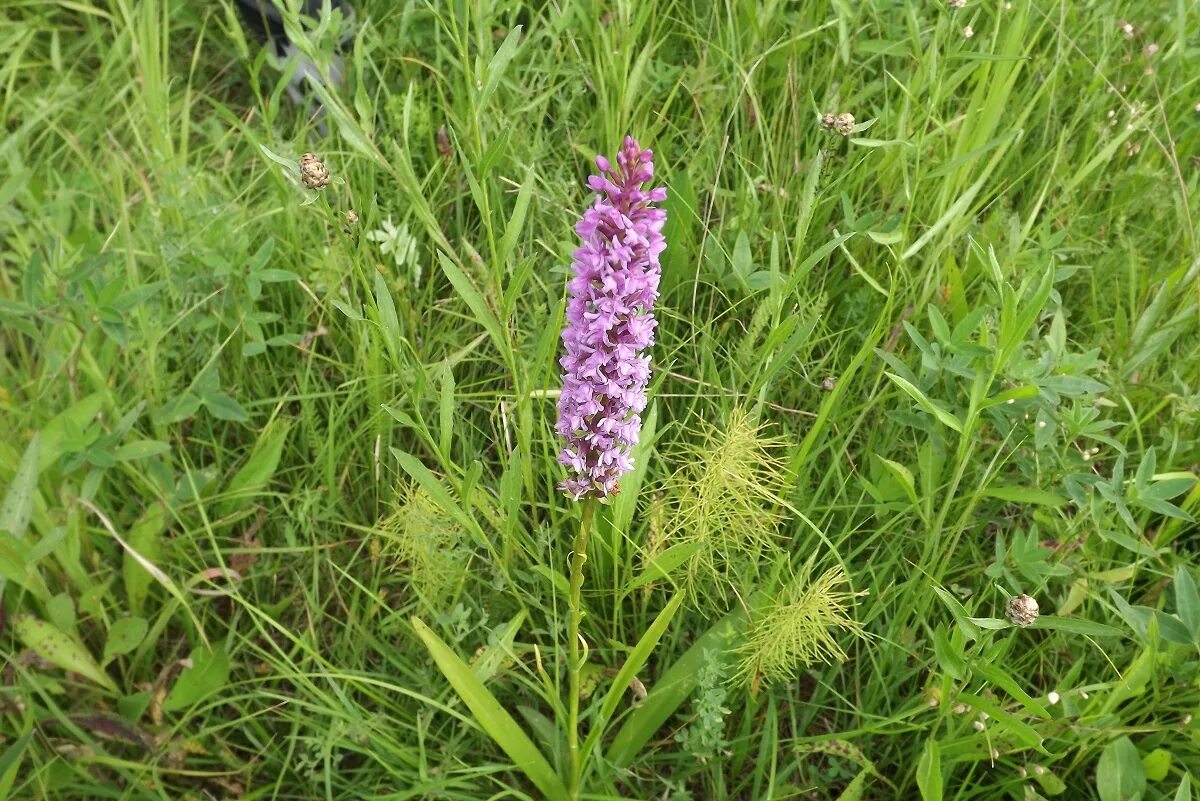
610, 323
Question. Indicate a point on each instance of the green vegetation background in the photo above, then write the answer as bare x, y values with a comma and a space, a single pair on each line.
954, 354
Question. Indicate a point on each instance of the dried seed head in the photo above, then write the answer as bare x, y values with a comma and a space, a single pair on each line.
828, 121
968, 32
1022, 610
1127, 29
956, 3
351, 217
829, 384
313, 171
844, 124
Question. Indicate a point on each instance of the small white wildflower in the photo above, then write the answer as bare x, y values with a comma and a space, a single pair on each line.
978, 724
1022, 772
1041, 423
959, 709
1011, 401
1039, 770
1127, 29
1087, 457
995, 754
1052, 697
956, 3
968, 32
984, 716
1008, 6
1151, 49
1083, 694
1187, 719
401, 245
1196, 108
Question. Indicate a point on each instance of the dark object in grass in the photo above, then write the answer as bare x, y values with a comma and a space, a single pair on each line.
265, 20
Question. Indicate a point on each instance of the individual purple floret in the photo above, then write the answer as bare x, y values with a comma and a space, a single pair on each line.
610, 323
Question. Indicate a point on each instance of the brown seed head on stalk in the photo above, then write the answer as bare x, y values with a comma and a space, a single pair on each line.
313, 171
1022, 610
844, 124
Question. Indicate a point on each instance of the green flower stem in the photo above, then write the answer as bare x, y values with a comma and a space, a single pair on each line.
575, 661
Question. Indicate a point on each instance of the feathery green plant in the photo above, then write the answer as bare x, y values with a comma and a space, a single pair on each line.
799, 628
722, 504
424, 544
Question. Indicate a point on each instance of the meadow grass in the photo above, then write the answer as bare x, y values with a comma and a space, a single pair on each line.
242, 446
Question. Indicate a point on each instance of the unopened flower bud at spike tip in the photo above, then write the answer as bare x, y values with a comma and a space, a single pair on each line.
610, 323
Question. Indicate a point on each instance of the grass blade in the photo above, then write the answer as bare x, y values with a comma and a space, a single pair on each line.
633, 663
498, 724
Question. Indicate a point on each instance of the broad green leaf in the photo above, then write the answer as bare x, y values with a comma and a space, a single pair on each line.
633, 663
1187, 602
949, 658
965, 624
929, 772
144, 538
17, 507
389, 322
999, 678
223, 407
479, 307
499, 648
1025, 495
660, 567
492, 718
944, 417
499, 63
1021, 730
126, 634
1119, 773
57, 648
56, 433
258, 469
1027, 392
516, 222
905, 477
1184, 793
141, 449
208, 673
1157, 764
1075, 625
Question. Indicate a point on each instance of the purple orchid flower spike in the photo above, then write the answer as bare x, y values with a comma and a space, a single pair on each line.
610, 323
